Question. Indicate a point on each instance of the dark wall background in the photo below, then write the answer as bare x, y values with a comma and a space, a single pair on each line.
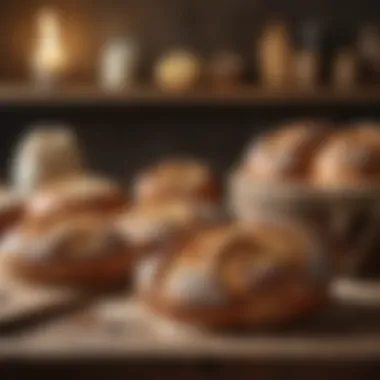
120, 140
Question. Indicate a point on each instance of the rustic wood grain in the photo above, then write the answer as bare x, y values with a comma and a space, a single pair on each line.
120, 328
21, 302
116, 337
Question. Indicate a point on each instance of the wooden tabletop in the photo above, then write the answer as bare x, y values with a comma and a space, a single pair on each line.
117, 326
115, 335
332, 337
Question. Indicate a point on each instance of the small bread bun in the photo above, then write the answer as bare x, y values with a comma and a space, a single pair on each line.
75, 195
11, 208
176, 180
157, 226
77, 250
350, 159
257, 273
285, 155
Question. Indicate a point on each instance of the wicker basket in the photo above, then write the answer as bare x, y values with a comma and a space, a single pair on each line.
348, 221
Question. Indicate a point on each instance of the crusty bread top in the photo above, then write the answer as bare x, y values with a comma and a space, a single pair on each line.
350, 158
235, 262
77, 193
80, 237
175, 179
285, 154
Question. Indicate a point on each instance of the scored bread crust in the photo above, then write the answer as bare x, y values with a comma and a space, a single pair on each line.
156, 226
236, 275
75, 195
286, 154
313, 154
98, 272
351, 159
80, 249
176, 180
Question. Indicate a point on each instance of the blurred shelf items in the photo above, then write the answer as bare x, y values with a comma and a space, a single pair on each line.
288, 62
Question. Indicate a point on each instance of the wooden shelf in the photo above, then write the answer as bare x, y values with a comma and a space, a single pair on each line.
85, 95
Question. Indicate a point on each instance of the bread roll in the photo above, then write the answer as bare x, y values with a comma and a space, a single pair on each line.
351, 159
68, 236
75, 250
176, 180
285, 154
74, 196
159, 226
253, 274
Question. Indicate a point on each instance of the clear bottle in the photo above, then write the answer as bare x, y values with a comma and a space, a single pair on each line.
275, 56
307, 62
225, 69
345, 68
118, 64
369, 52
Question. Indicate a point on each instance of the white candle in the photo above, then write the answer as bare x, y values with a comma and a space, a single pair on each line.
48, 60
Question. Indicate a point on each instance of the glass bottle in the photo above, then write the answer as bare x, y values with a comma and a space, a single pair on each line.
307, 63
369, 52
118, 64
275, 56
345, 68
225, 69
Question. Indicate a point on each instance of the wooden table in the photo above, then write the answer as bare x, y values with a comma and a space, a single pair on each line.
113, 337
